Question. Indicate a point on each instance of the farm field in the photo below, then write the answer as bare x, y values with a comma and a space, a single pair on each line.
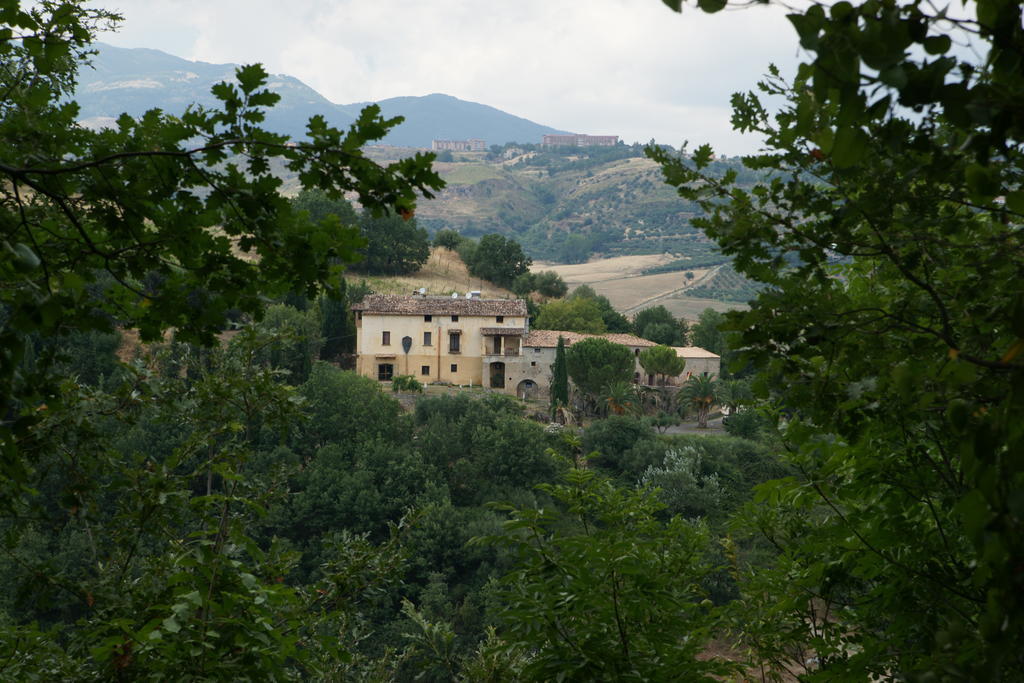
619, 279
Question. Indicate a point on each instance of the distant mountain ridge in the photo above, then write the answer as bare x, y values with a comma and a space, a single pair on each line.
135, 80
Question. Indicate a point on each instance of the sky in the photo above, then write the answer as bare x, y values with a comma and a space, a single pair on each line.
631, 68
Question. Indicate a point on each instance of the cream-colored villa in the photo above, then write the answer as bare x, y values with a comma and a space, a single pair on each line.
467, 340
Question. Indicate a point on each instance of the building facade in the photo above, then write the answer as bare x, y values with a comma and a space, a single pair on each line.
437, 339
580, 140
469, 341
471, 145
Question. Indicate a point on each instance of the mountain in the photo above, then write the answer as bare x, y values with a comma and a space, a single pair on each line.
134, 80
444, 117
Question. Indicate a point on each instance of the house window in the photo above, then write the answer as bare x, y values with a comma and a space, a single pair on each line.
385, 338
455, 368
385, 371
428, 339
425, 370
536, 350
455, 318
533, 363
499, 319
454, 341
427, 318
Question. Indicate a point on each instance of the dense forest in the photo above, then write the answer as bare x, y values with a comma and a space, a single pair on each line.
190, 491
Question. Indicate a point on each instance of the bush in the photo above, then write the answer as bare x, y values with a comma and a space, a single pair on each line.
406, 383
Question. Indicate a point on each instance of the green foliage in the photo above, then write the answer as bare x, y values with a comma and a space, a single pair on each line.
447, 238
659, 326
888, 333
700, 392
683, 486
663, 362
498, 259
603, 590
345, 408
293, 341
406, 383
707, 334
595, 363
746, 423
613, 320
395, 245
612, 437
483, 445
570, 315
159, 222
559, 378
550, 284
337, 326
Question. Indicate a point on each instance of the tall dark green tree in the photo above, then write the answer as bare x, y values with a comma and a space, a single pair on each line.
660, 326
395, 245
596, 363
559, 378
499, 260
337, 328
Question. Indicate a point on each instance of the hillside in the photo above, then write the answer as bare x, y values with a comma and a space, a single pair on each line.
443, 273
566, 205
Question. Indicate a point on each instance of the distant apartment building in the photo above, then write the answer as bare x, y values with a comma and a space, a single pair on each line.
471, 145
580, 140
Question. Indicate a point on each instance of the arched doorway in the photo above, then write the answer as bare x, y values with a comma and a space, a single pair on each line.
498, 375
527, 389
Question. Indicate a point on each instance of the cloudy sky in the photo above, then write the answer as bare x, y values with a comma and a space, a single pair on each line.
631, 68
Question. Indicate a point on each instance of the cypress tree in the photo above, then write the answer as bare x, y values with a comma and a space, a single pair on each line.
560, 379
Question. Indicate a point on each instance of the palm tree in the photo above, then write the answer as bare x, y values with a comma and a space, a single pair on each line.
701, 392
622, 397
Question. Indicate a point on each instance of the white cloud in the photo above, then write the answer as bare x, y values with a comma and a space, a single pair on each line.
626, 67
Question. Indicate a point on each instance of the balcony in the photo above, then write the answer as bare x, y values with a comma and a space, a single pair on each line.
507, 353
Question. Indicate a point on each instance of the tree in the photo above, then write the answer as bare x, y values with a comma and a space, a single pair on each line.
602, 589
395, 245
662, 361
499, 260
337, 328
659, 326
448, 238
559, 378
707, 333
888, 335
595, 363
613, 320
319, 205
700, 392
571, 315
177, 220
550, 284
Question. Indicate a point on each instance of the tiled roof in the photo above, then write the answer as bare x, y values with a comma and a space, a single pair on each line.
398, 304
549, 338
693, 352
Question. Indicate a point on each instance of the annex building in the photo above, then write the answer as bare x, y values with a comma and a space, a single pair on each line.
467, 340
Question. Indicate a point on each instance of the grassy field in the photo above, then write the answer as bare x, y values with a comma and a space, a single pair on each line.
443, 273
619, 279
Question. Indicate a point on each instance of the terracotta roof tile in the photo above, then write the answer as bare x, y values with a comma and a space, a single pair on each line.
693, 352
398, 304
549, 338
